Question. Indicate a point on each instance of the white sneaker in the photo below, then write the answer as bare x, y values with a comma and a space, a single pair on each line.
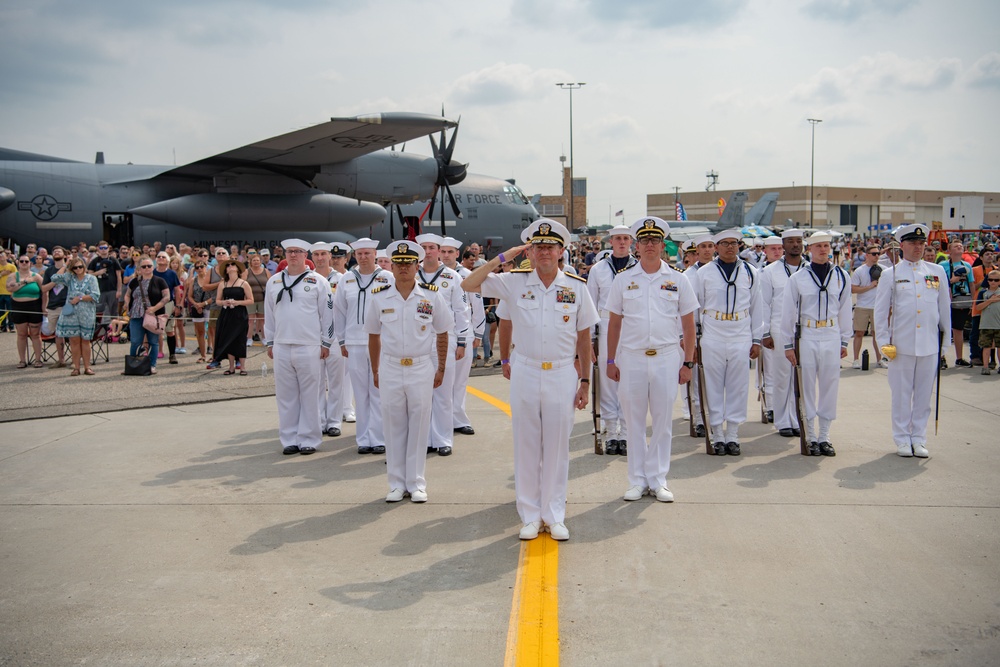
920, 450
394, 496
419, 496
559, 531
181, 350
350, 418
856, 365
635, 492
249, 342
883, 363
905, 450
529, 531
664, 495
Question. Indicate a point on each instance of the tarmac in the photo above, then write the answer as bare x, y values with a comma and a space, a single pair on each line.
154, 521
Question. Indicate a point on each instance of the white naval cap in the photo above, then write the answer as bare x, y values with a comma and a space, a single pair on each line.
381, 254
819, 237
619, 229
364, 243
321, 246
772, 240
405, 252
792, 234
914, 232
429, 238
733, 233
451, 242
702, 238
650, 226
758, 240
546, 231
296, 243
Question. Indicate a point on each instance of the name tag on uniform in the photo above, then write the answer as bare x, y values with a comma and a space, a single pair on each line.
425, 308
386, 311
632, 286
903, 280
565, 296
669, 286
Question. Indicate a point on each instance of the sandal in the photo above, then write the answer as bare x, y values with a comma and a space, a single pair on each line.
38, 364
22, 365
229, 372
244, 373
74, 372
201, 360
89, 372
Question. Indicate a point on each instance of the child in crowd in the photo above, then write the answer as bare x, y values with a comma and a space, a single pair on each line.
988, 308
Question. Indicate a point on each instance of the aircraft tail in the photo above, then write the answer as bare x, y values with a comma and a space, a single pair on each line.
733, 215
762, 212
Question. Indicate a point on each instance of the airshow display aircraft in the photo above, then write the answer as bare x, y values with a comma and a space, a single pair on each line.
760, 214
332, 181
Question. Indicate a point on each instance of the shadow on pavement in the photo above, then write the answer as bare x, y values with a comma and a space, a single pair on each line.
889, 469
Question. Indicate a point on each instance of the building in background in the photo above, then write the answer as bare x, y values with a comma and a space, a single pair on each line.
557, 207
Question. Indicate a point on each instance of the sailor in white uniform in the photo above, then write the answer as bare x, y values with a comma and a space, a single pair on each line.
599, 280
778, 381
433, 272
552, 313
349, 308
407, 325
477, 313
651, 307
728, 290
298, 333
817, 299
704, 246
334, 366
755, 255
912, 309
339, 255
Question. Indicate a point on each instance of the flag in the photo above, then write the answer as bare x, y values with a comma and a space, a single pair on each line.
620, 213
681, 213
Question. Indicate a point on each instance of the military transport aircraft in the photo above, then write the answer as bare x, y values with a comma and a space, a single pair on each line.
331, 181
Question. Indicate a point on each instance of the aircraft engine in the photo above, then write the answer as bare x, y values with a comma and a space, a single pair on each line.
311, 212
7, 197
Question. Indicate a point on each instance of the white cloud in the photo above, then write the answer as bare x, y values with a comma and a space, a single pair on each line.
503, 84
850, 11
985, 72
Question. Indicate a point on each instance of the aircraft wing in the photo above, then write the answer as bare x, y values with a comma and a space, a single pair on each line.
300, 153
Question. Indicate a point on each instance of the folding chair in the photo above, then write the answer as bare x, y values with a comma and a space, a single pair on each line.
99, 341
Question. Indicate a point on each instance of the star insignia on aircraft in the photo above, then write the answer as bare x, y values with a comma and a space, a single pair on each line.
44, 207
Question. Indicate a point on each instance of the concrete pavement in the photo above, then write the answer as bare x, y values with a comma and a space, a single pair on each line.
180, 535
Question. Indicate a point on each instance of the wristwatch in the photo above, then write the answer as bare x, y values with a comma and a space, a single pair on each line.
688, 364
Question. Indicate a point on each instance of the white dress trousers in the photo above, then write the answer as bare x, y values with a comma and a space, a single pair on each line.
298, 388
334, 379
406, 412
648, 385
366, 396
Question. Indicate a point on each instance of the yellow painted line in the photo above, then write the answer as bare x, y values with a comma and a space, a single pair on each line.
533, 626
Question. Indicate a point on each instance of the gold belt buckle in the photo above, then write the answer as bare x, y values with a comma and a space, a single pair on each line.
650, 353
546, 365
406, 361
820, 324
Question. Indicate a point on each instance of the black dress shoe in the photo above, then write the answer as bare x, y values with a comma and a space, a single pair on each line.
699, 430
733, 448
332, 432
431, 450
611, 447
306, 451
622, 448
770, 416
290, 449
814, 449
719, 449
444, 451
826, 449
378, 449
465, 430
364, 450
796, 432
786, 432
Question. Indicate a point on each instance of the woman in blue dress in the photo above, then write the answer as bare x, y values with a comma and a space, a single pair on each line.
77, 326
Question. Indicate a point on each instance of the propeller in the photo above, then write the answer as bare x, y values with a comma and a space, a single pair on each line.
449, 173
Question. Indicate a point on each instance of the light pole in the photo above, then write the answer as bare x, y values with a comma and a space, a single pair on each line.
571, 87
812, 171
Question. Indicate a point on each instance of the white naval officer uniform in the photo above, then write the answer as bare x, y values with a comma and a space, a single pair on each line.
463, 367
912, 304
599, 280
543, 382
334, 376
349, 308
448, 284
295, 327
777, 371
822, 310
408, 329
730, 314
649, 358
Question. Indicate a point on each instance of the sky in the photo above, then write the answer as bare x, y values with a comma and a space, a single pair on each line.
907, 90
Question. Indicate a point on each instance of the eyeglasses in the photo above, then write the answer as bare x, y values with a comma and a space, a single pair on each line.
295, 251
993, 280
252, 252
220, 252
729, 243
647, 241
78, 266
146, 266
24, 261
102, 247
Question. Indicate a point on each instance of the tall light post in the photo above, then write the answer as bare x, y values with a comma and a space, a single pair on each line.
812, 171
571, 87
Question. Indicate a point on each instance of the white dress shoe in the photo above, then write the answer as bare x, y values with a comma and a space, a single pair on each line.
419, 496
635, 492
350, 418
394, 496
905, 450
920, 450
664, 495
530, 530
559, 531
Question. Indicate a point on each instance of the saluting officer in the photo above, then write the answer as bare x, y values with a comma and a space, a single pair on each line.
407, 325
912, 309
350, 307
552, 313
777, 371
728, 290
651, 306
298, 333
433, 272
599, 280
818, 300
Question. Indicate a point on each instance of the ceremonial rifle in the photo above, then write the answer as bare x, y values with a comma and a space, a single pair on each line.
595, 395
799, 407
761, 396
